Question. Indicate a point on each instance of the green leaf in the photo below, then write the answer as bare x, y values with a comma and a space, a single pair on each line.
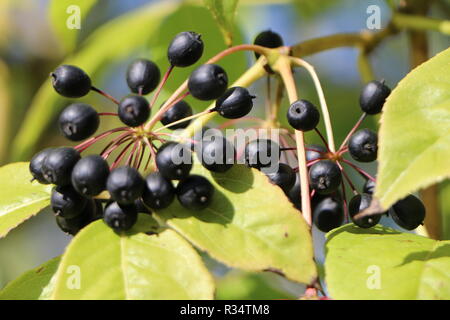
64, 15
444, 205
100, 264
20, 199
112, 42
414, 138
30, 285
224, 11
408, 266
249, 225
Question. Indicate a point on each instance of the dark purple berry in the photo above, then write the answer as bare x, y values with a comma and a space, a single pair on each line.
58, 165
328, 214
174, 161
261, 153
303, 115
185, 49
408, 213
78, 121
143, 76
159, 192
373, 97
268, 39
70, 81
120, 217
178, 111
216, 154
284, 177
36, 165
235, 103
125, 185
363, 145
134, 110
325, 176
208, 82
359, 203
66, 202
89, 175
195, 192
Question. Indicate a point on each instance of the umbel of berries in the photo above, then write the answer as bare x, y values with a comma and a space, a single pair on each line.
70, 81
303, 115
373, 97
143, 76
208, 82
78, 121
235, 103
185, 49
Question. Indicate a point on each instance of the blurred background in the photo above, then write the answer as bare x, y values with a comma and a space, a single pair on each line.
34, 39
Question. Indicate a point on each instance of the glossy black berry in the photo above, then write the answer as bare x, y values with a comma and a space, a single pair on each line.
141, 207
325, 176
328, 214
90, 212
143, 76
363, 145
268, 39
134, 110
159, 192
373, 97
66, 202
303, 115
70, 81
120, 217
314, 152
185, 49
408, 213
216, 154
208, 82
36, 165
174, 161
195, 192
235, 103
89, 175
125, 184
284, 177
58, 165
261, 153
78, 121
178, 111
359, 203
369, 186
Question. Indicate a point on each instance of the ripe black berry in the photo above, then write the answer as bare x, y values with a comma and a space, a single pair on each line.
78, 121
408, 213
174, 161
325, 176
268, 39
185, 49
159, 192
57, 166
315, 152
359, 203
261, 153
66, 202
195, 192
217, 154
235, 103
91, 212
373, 97
178, 111
303, 115
143, 76
208, 82
141, 207
120, 217
363, 145
328, 214
70, 81
284, 177
125, 184
134, 110
369, 186
36, 165
89, 175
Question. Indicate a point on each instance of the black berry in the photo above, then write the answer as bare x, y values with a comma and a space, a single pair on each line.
208, 82
143, 76
134, 110
185, 49
373, 97
91, 212
125, 184
408, 213
325, 176
66, 202
261, 153
284, 177
58, 165
120, 217
363, 145
195, 192
178, 111
70, 81
235, 103
369, 186
359, 203
36, 165
174, 161
328, 214
303, 115
89, 175
217, 154
159, 192
268, 39
141, 207
315, 152
78, 121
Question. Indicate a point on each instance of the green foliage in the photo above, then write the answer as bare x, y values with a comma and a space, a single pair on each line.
409, 266
414, 143
224, 11
250, 225
444, 197
20, 199
29, 286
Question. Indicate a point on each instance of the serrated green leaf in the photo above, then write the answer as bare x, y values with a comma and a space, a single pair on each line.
414, 138
250, 225
63, 14
224, 11
101, 264
20, 199
407, 266
29, 286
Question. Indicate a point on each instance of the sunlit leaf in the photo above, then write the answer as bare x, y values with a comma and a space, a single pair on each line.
224, 12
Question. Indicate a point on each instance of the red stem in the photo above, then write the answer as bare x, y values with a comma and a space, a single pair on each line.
121, 155
161, 85
361, 171
347, 178
322, 138
356, 126
103, 93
